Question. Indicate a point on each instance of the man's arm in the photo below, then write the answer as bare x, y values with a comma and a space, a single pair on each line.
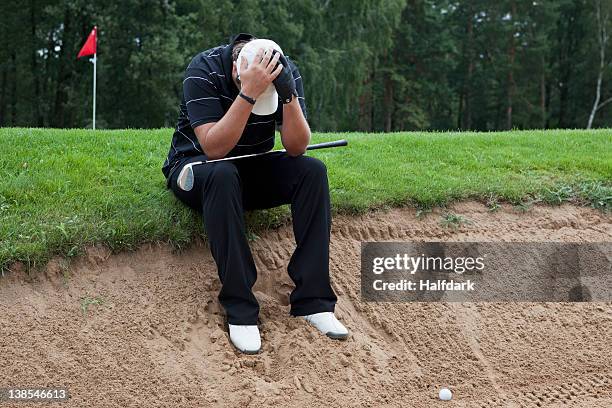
218, 138
295, 132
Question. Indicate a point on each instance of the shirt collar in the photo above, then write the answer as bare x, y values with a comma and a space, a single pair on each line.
227, 57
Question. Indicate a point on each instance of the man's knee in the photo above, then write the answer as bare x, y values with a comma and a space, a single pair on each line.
222, 176
223, 172
313, 167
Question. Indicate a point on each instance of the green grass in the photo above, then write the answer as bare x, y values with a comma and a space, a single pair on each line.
88, 301
63, 189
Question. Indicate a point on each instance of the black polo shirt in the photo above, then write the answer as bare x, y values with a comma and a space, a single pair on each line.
208, 93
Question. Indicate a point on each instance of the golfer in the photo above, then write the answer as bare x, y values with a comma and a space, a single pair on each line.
234, 96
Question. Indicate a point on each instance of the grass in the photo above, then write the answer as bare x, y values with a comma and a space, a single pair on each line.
63, 189
492, 203
87, 301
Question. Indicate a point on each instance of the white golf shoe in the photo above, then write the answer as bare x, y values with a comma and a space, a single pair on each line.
245, 338
327, 324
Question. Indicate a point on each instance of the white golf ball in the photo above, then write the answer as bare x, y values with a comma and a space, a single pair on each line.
445, 394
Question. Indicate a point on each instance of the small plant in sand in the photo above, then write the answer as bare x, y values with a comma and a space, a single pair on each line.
493, 203
65, 269
87, 301
251, 236
524, 206
451, 220
422, 212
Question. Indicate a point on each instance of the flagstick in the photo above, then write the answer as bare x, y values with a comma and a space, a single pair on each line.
94, 92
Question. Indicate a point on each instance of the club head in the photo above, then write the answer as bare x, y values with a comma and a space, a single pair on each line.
185, 177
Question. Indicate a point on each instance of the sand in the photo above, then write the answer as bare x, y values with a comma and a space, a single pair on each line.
155, 337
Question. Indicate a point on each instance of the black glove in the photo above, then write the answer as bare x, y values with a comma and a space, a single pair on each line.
284, 82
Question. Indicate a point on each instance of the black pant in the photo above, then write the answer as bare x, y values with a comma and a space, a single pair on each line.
223, 190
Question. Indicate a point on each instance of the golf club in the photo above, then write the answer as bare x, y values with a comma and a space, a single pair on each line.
185, 178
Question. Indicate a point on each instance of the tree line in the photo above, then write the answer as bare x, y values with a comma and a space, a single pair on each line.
367, 65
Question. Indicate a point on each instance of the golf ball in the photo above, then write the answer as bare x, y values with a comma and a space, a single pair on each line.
445, 394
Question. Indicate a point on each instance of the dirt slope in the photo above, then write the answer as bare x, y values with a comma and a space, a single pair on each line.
157, 339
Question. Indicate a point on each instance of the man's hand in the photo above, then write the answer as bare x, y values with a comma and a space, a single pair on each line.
255, 78
284, 82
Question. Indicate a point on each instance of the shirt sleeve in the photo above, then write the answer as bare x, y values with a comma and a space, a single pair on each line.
201, 98
299, 87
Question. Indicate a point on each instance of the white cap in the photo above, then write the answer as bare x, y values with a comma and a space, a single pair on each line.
267, 102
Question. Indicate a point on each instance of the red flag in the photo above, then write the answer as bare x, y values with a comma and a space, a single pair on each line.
89, 48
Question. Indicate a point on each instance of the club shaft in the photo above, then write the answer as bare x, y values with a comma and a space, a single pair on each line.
186, 177
325, 145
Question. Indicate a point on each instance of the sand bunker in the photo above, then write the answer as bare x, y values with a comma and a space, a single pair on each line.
144, 329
